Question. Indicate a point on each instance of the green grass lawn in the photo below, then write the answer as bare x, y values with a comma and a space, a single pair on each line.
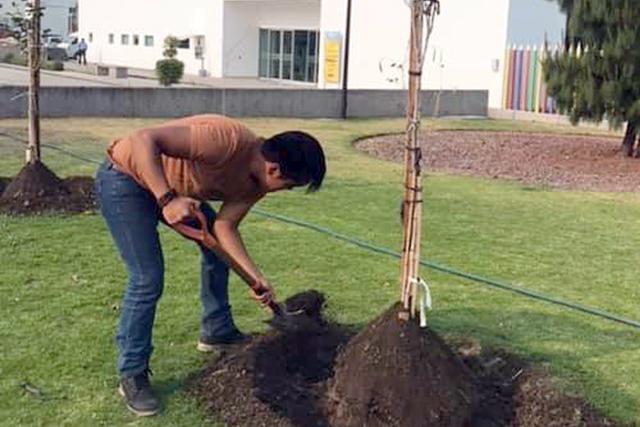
61, 282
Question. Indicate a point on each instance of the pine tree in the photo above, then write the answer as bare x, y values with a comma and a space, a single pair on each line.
598, 75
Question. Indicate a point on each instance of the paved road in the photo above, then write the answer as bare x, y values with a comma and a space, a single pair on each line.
11, 75
75, 75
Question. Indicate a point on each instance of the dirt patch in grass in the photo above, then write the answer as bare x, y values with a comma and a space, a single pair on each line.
591, 163
37, 190
390, 374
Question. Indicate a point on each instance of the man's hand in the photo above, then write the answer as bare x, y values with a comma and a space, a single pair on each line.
265, 293
179, 209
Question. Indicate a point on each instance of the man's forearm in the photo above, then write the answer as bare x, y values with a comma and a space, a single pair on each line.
231, 243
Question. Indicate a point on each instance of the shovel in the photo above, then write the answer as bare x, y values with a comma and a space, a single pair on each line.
282, 319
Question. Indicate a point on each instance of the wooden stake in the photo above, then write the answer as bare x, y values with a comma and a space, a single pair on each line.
35, 58
412, 190
413, 199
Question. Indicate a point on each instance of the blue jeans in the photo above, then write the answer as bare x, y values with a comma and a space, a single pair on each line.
132, 216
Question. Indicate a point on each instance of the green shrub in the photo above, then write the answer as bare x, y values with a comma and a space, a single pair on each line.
9, 58
169, 71
14, 59
53, 66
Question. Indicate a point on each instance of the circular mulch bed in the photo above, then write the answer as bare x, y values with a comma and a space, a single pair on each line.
391, 373
590, 163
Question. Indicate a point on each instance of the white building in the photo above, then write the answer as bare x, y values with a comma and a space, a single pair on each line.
303, 41
57, 14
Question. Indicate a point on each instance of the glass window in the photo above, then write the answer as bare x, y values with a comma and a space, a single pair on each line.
274, 50
124, 38
287, 54
263, 62
90, 37
111, 38
184, 43
136, 40
148, 40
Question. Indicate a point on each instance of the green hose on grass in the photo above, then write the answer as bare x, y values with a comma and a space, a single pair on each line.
447, 270
384, 251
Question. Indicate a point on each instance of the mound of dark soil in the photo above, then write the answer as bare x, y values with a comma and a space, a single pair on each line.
390, 374
278, 379
4, 181
538, 404
36, 190
406, 376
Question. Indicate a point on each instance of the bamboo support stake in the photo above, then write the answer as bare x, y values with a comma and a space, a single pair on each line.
412, 201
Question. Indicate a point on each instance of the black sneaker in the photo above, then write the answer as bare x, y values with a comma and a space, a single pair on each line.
210, 344
138, 395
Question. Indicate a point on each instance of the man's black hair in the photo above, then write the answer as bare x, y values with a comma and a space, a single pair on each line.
300, 157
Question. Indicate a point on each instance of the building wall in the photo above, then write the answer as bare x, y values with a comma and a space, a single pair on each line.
177, 102
5, 8
467, 47
465, 51
243, 19
55, 17
99, 18
531, 20
332, 20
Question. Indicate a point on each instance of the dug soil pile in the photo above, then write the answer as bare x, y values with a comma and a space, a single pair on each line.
36, 189
276, 380
396, 374
390, 374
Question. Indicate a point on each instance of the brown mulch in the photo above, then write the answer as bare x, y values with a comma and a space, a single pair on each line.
390, 374
589, 163
37, 190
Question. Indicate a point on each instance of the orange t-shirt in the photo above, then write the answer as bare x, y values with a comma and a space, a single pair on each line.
217, 167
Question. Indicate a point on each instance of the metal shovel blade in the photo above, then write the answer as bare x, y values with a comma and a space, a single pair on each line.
293, 321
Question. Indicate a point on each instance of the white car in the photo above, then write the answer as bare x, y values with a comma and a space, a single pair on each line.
70, 45
52, 40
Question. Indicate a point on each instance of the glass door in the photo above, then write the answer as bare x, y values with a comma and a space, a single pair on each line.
300, 56
288, 55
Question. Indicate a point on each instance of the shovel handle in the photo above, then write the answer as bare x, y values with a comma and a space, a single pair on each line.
205, 237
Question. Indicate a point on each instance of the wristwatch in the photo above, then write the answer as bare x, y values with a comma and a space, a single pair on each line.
166, 198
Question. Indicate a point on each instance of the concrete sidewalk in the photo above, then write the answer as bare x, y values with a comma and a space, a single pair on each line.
189, 80
15, 75
76, 75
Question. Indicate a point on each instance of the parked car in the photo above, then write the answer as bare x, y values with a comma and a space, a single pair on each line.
70, 45
51, 40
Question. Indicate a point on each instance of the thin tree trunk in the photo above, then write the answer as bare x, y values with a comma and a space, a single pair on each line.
629, 139
33, 147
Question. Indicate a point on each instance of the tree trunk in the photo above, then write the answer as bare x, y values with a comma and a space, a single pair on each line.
35, 58
629, 140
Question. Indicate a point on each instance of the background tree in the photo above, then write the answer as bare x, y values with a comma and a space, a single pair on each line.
598, 76
34, 181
